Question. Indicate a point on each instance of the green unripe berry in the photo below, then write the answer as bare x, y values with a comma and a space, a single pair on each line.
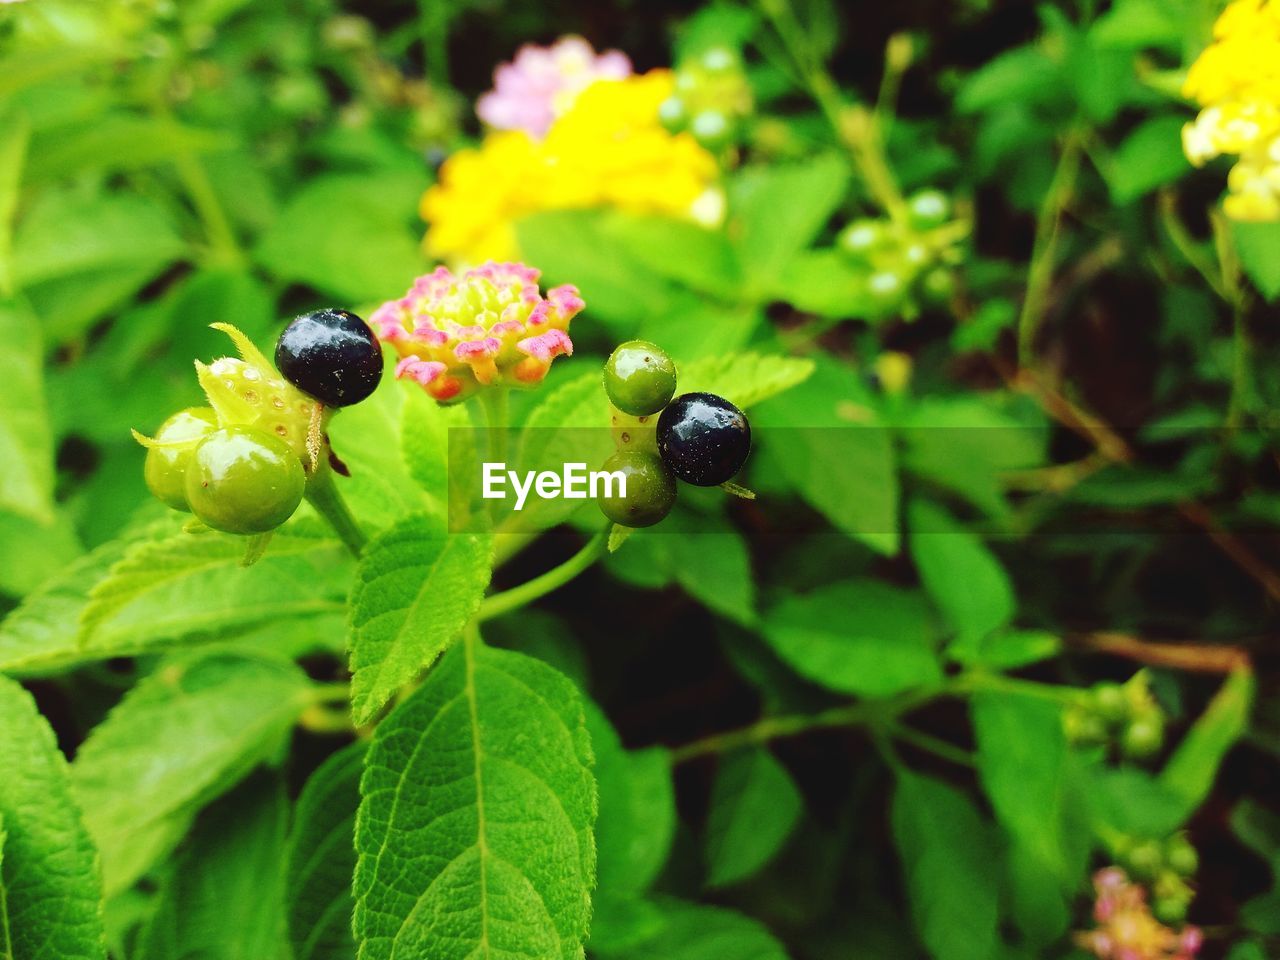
1170, 910
1181, 856
673, 115
862, 238
1111, 703
1145, 860
1084, 727
634, 433
716, 60
938, 285
639, 378
928, 209
1142, 737
650, 489
242, 480
166, 467
885, 287
711, 128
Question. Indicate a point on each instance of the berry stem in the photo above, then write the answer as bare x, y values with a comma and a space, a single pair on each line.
327, 499
529, 591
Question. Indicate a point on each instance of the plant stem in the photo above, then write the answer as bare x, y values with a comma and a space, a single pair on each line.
556, 577
324, 495
1044, 251
493, 401
931, 744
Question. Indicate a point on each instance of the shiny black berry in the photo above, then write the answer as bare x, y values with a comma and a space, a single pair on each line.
703, 438
331, 355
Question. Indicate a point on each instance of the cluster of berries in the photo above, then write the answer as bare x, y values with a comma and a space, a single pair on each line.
712, 98
242, 463
910, 262
1165, 866
1126, 715
699, 438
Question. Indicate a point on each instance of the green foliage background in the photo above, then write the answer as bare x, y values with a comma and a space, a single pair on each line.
827, 724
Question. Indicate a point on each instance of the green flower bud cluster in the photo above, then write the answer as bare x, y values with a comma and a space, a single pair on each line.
1166, 867
1125, 715
699, 438
712, 98
910, 263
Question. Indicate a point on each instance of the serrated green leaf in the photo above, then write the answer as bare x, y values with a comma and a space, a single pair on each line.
862, 637
745, 379
192, 587
41, 633
474, 834
15, 132
679, 250
182, 736
1190, 772
950, 878
313, 238
777, 212
50, 891
694, 931
368, 438
26, 441
637, 818
755, 806
321, 859
960, 573
416, 588
844, 468
1149, 157
1258, 246
222, 896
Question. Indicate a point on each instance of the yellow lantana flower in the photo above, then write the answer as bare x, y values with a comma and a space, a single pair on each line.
1237, 82
608, 150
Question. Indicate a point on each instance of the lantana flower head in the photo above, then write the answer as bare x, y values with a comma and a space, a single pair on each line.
542, 83
488, 326
1126, 929
1236, 81
608, 150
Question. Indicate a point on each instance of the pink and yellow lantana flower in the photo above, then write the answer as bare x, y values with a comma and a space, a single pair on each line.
1126, 929
542, 83
1236, 81
488, 326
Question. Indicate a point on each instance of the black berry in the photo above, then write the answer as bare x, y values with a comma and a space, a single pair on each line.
331, 355
703, 438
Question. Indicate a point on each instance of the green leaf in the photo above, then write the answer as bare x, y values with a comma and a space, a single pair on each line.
15, 132
321, 858
26, 440
348, 236
1190, 772
192, 587
946, 854
1008, 649
474, 830
1131, 801
845, 469
41, 633
1258, 246
416, 588
222, 896
823, 282
685, 252
32, 553
693, 931
755, 806
637, 816
117, 142
862, 637
50, 892
1150, 157
777, 212
1133, 24
182, 736
960, 574
1023, 766
372, 439
745, 379
574, 246
1022, 75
